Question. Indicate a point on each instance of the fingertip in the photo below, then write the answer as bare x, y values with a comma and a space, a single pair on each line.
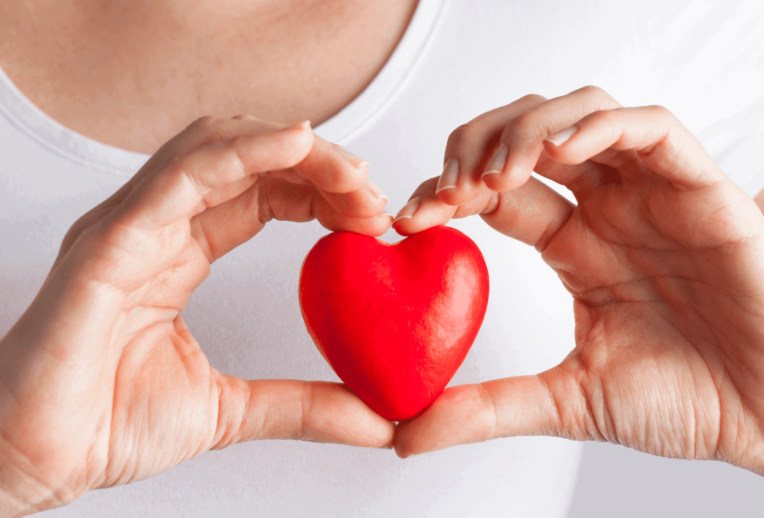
561, 137
505, 181
563, 153
334, 169
341, 417
374, 226
381, 224
402, 228
302, 136
420, 214
403, 440
458, 195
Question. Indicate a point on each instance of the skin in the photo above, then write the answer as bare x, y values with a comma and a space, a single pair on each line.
92, 366
89, 369
663, 257
134, 73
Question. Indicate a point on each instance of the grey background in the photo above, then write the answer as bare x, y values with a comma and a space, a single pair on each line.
619, 482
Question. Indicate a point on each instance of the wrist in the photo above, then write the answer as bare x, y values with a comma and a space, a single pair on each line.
22, 490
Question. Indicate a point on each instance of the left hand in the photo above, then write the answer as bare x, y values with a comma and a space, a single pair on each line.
101, 382
664, 257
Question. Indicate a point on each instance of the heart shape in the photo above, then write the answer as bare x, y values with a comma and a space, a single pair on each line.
395, 322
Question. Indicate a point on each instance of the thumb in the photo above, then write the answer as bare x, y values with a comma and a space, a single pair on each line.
549, 403
290, 409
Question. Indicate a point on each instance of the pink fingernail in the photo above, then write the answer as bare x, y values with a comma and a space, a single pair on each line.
449, 177
377, 192
350, 157
561, 137
408, 210
496, 163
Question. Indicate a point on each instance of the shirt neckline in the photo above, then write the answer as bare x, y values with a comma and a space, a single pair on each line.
342, 128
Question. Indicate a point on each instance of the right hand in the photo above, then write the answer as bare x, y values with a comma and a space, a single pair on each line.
101, 382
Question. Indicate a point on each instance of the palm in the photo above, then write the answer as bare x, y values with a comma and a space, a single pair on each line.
633, 254
162, 380
163, 384
154, 376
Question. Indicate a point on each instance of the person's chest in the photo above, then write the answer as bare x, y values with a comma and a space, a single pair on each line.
133, 83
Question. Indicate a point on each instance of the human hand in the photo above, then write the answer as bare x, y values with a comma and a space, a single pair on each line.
664, 257
101, 382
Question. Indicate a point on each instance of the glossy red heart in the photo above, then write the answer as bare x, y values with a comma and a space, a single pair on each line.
395, 321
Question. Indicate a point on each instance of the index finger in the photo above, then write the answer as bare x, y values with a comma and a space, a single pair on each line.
331, 168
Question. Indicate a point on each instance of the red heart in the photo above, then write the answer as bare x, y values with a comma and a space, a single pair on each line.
395, 321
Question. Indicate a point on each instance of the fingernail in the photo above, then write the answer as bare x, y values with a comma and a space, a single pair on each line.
386, 447
408, 210
377, 192
387, 214
496, 163
304, 125
561, 137
449, 177
350, 157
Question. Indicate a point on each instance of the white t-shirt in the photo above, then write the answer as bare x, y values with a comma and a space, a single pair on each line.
703, 60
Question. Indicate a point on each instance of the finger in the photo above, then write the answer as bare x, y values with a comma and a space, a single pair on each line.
652, 134
290, 175
283, 201
330, 219
365, 202
469, 146
546, 404
209, 130
288, 409
203, 131
245, 116
423, 210
522, 142
224, 227
328, 166
532, 213
333, 169
192, 183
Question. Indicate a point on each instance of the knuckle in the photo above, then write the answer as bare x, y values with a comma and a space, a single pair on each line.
205, 130
461, 135
82, 226
532, 98
604, 117
462, 131
306, 407
661, 113
593, 91
525, 123
70, 237
202, 122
